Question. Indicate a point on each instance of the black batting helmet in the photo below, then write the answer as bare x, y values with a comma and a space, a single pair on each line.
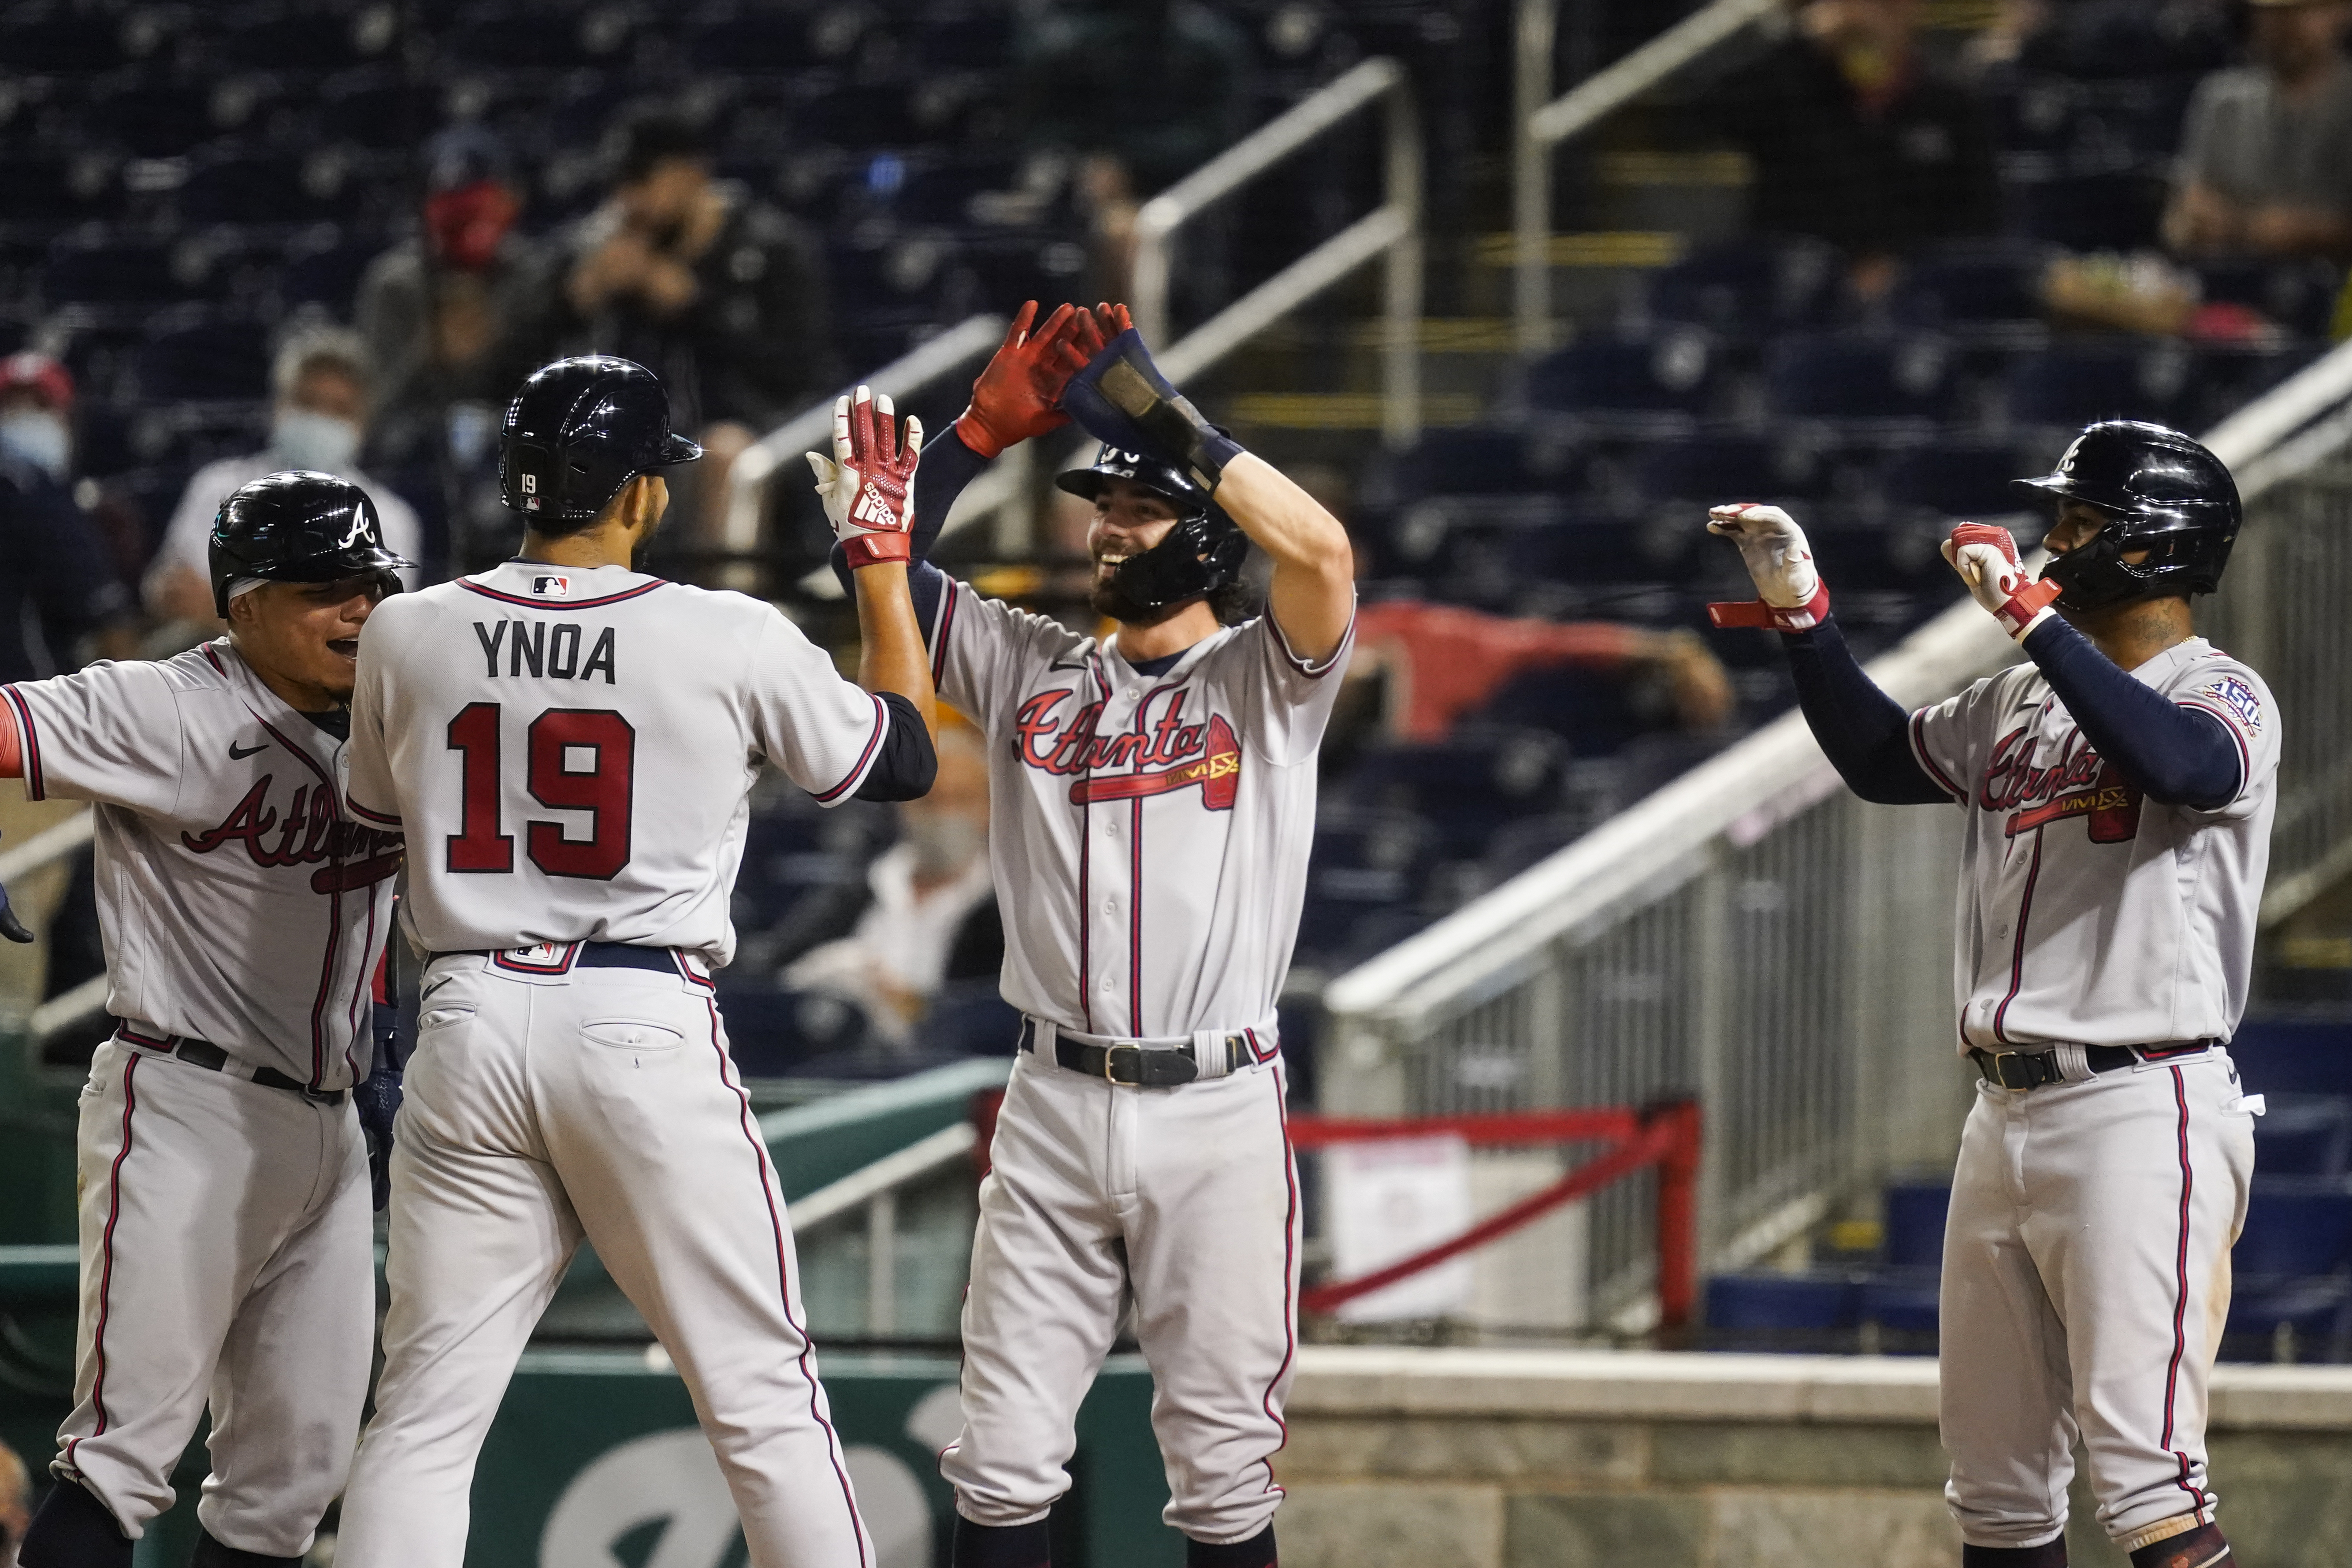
579, 430
299, 527
2161, 492
1201, 554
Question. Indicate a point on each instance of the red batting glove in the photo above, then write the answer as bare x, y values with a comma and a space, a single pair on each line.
1015, 395
879, 520
1986, 559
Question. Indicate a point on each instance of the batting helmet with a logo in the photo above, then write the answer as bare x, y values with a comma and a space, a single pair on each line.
579, 429
299, 527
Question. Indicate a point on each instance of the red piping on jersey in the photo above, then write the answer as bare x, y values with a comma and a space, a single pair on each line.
36, 788
1919, 750
2198, 1501
106, 1254
2016, 951
372, 816
641, 589
1085, 869
1289, 1282
784, 1285
873, 745
940, 638
700, 982
1300, 665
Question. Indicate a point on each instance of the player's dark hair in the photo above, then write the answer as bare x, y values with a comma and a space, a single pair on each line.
1233, 602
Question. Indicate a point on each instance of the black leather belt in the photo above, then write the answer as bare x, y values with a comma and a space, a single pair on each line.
1135, 1066
204, 1054
592, 956
2032, 1069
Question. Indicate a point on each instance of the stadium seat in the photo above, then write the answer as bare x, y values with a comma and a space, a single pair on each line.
1956, 476
1914, 1223
1902, 1306
521, 38
99, 267
324, 266
63, 39
1860, 383
376, 107
323, 40
191, 356
1709, 470
236, 185
2077, 381
153, 119
1465, 787
754, 40
2297, 1228
1746, 288
2304, 1135
1813, 1311
1983, 295
58, 190
1639, 383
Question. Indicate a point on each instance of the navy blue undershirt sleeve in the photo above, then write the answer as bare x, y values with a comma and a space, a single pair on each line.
909, 762
1864, 732
2176, 755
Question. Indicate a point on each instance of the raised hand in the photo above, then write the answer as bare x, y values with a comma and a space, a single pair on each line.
1986, 559
868, 485
1790, 595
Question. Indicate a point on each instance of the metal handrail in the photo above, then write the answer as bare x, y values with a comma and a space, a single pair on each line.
874, 1188
1393, 232
812, 430
1541, 126
1771, 774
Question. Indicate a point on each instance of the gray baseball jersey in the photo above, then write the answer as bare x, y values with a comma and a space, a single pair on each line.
2088, 914
242, 907
1150, 833
584, 743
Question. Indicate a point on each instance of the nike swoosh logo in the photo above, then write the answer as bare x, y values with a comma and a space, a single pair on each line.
234, 756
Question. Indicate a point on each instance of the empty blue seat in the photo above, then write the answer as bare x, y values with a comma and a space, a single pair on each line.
1862, 381
2288, 1320
190, 357
1901, 1302
374, 107
63, 39
1465, 787
2076, 381
2297, 1228
1987, 293
57, 189
324, 267
1748, 287
323, 40
1711, 469
758, 40
1914, 1223
156, 120
234, 185
99, 267
1960, 477
1644, 383
1819, 1301
2304, 1135
530, 40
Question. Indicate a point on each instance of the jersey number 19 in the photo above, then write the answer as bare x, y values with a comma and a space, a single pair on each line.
576, 759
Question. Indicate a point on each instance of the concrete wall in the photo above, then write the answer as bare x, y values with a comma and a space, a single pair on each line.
1601, 1459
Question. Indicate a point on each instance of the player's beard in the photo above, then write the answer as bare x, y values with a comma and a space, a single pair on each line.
1108, 599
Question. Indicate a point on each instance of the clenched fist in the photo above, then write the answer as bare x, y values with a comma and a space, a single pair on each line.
1791, 597
1987, 559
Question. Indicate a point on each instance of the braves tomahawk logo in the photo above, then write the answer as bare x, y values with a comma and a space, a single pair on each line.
1158, 757
2079, 784
312, 832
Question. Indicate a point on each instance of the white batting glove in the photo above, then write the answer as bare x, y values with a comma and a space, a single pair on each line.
1986, 559
868, 484
1792, 599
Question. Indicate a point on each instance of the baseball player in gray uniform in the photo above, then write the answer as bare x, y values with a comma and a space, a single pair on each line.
1153, 800
2119, 787
227, 1247
571, 745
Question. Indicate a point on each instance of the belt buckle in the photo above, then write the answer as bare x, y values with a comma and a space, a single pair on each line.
2024, 1075
1111, 1055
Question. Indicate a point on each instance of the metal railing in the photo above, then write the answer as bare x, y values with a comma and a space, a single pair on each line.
1753, 935
874, 1188
1392, 231
810, 430
1543, 123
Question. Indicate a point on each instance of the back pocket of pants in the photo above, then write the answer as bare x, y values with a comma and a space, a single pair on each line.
631, 1035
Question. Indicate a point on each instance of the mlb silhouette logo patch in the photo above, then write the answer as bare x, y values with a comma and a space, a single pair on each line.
551, 587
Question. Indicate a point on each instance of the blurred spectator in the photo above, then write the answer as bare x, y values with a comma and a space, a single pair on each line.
61, 600
931, 915
1182, 95
1858, 139
323, 382
1434, 663
714, 290
2266, 157
443, 313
